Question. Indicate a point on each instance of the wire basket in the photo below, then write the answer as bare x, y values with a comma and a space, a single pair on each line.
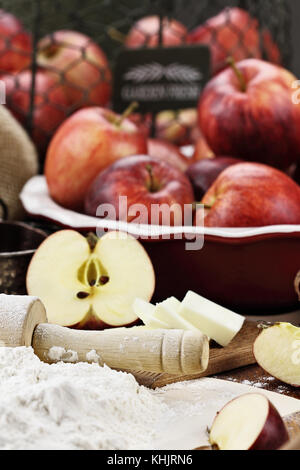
42, 90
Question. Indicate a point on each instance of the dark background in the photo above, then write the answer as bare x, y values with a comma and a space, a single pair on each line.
295, 4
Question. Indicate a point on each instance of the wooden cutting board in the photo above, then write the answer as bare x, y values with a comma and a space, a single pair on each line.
238, 354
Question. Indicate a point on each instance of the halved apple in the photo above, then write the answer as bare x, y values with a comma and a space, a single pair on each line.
90, 287
249, 422
277, 351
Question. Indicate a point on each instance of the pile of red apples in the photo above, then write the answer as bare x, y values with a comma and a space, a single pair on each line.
245, 130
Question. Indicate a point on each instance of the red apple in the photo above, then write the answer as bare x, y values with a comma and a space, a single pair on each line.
271, 49
146, 182
297, 174
202, 149
179, 127
144, 122
50, 103
15, 44
167, 152
247, 112
87, 143
80, 65
145, 33
233, 32
252, 195
204, 173
249, 422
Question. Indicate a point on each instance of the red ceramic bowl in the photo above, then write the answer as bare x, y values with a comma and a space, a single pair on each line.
251, 271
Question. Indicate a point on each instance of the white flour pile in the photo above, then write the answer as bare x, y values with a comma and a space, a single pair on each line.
84, 406
72, 406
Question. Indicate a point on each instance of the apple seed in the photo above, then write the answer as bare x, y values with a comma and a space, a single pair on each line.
83, 295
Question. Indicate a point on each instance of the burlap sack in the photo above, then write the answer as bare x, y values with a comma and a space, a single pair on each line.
18, 163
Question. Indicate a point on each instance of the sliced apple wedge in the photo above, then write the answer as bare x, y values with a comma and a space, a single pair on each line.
90, 287
145, 311
250, 422
277, 351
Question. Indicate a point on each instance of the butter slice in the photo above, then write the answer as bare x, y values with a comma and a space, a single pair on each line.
145, 311
218, 323
167, 312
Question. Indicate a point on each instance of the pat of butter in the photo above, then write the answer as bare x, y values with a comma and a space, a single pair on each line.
145, 311
167, 312
218, 323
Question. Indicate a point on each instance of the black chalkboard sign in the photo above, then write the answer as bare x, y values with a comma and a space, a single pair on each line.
161, 78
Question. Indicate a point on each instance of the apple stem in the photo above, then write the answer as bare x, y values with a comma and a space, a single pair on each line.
230, 61
153, 188
116, 35
131, 108
198, 205
92, 240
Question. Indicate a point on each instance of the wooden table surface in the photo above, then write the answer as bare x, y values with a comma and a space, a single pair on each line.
255, 376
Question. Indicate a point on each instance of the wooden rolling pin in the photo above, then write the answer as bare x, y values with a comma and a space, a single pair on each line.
23, 322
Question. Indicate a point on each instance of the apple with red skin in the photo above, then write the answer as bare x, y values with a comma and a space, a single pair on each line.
84, 145
144, 181
145, 33
233, 32
80, 65
168, 153
50, 103
204, 173
271, 49
249, 422
247, 112
15, 44
297, 174
143, 122
202, 149
252, 195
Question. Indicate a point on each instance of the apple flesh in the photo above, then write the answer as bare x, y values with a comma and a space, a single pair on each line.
277, 351
233, 32
15, 44
50, 104
252, 195
80, 65
88, 288
250, 422
85, 144
246, 112
168, 153
204, 173
145, 182
145, 33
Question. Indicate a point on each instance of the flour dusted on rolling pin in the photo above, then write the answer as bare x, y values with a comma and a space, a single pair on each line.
13, 310
14, 307
57, 354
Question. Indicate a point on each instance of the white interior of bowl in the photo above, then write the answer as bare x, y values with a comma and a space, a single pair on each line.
38, 203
